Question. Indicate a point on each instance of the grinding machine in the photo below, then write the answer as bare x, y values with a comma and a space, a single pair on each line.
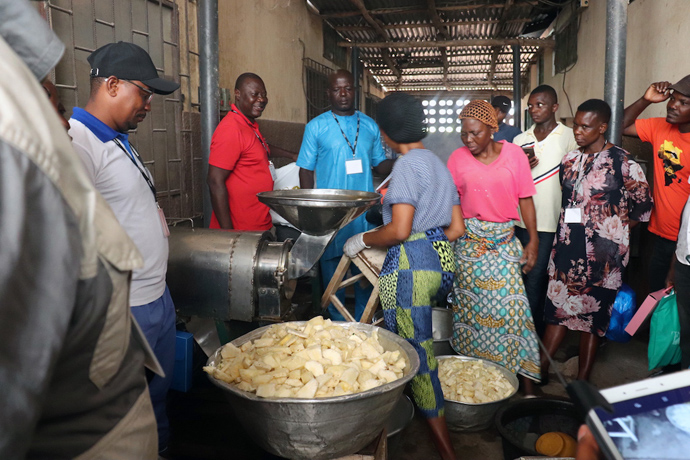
248, 276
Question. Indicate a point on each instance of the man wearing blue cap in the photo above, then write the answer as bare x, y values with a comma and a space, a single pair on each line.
123, 82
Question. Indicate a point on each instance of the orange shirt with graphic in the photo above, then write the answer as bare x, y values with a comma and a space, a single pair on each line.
671, 171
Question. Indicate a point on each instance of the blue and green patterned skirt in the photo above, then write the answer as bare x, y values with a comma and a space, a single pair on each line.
491, 315
417, 275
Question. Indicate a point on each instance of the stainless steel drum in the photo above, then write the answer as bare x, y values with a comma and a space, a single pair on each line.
228, 275
324, 428
246, 276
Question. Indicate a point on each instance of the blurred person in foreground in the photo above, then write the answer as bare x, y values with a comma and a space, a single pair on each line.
72, 359
491, 316
421, 214
605, 193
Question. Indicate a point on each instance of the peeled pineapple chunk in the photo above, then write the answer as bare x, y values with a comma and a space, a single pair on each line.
315, 360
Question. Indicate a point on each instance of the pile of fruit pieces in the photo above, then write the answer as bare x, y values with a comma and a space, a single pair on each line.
313, 360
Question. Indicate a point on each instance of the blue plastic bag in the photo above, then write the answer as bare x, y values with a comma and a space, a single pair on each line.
621, 314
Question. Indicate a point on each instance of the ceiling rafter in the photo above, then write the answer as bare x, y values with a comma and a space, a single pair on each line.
413, 25
442, 31
546, 43
442, 44
382, 33
502, 32
436, 65
417, 10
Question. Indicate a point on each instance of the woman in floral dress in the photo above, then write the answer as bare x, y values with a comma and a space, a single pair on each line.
604, 194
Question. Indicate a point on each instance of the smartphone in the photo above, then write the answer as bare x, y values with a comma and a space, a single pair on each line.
651, 419
529, 151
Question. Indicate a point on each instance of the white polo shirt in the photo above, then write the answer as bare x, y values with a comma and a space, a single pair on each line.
124, 188
549, 152
683, 245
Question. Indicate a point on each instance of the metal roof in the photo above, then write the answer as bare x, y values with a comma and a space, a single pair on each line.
442, 45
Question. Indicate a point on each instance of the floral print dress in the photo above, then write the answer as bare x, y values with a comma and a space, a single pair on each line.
588, 258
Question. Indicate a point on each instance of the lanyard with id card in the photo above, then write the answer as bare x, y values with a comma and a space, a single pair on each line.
353, 166
573, 212
149, 182
271, 166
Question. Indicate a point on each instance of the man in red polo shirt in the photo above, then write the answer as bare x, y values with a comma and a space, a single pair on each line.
239, 163
670, 139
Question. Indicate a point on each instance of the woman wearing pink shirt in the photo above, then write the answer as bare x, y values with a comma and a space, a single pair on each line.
491, 315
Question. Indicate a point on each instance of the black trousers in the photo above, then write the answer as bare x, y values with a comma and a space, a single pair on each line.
663, 253
682, 286
537, 280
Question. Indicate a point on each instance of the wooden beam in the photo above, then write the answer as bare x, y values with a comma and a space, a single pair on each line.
413, 25
437, 65
442, 31
461, 90
546, 43
443, 72
382, 33
417, 10
501, 34
494, 5
385, 55
479, 56
436, 19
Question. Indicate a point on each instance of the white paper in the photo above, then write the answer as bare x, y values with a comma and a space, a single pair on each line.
573, 216
272, 168
353, 166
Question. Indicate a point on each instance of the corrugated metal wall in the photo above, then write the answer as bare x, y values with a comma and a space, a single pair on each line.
165, 142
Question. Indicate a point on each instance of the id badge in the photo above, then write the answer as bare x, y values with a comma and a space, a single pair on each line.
164, 223
272, 168
353, 166
573, 216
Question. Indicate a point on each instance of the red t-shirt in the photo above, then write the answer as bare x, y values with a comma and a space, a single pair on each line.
671, 171
236, 147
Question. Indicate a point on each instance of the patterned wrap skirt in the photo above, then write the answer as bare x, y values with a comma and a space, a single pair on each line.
417, 274
491, 315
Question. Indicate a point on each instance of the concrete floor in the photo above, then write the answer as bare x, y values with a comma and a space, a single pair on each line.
616, 364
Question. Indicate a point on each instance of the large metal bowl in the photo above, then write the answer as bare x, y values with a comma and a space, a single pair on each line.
476, 416
322, 428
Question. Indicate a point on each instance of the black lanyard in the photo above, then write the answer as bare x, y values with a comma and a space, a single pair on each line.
143, 173
343, 133
582, 172
263, 144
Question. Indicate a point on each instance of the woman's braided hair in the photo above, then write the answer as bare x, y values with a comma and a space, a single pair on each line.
482, 111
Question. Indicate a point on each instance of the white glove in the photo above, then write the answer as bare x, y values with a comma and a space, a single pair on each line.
354, 245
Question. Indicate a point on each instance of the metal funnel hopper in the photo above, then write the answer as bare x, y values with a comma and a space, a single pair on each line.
318, 214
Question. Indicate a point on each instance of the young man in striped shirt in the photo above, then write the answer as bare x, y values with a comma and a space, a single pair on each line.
544, 143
